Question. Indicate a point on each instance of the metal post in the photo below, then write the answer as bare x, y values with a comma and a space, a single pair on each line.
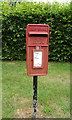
34, 96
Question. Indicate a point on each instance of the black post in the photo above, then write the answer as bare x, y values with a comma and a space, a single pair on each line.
34, 96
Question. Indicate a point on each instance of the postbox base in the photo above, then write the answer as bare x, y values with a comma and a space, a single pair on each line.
37, 74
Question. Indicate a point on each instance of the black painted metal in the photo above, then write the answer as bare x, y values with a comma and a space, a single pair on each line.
34, 96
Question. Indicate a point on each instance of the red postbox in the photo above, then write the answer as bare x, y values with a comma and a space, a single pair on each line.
37, 45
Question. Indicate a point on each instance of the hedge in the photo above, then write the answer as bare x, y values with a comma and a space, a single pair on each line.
16, 18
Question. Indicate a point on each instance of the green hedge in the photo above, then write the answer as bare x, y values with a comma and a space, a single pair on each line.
15, 20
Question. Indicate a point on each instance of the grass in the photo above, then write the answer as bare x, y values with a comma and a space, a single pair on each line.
0, 89
53, 90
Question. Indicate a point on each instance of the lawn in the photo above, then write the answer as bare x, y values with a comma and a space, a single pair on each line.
53, 91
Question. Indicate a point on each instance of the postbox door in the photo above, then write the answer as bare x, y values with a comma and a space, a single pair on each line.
37, 64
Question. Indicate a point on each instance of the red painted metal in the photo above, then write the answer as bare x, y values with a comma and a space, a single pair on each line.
37, 35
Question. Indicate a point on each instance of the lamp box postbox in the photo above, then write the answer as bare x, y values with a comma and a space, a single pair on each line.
37, 45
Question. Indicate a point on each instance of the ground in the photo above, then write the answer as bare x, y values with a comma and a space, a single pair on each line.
53, 91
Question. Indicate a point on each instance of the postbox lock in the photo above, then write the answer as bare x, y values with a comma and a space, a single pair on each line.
31, 59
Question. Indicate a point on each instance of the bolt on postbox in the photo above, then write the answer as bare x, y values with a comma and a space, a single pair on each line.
37, 45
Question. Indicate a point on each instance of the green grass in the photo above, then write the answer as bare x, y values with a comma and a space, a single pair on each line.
0, 89
53, 89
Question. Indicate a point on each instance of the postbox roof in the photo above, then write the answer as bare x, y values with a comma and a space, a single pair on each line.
37, 25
